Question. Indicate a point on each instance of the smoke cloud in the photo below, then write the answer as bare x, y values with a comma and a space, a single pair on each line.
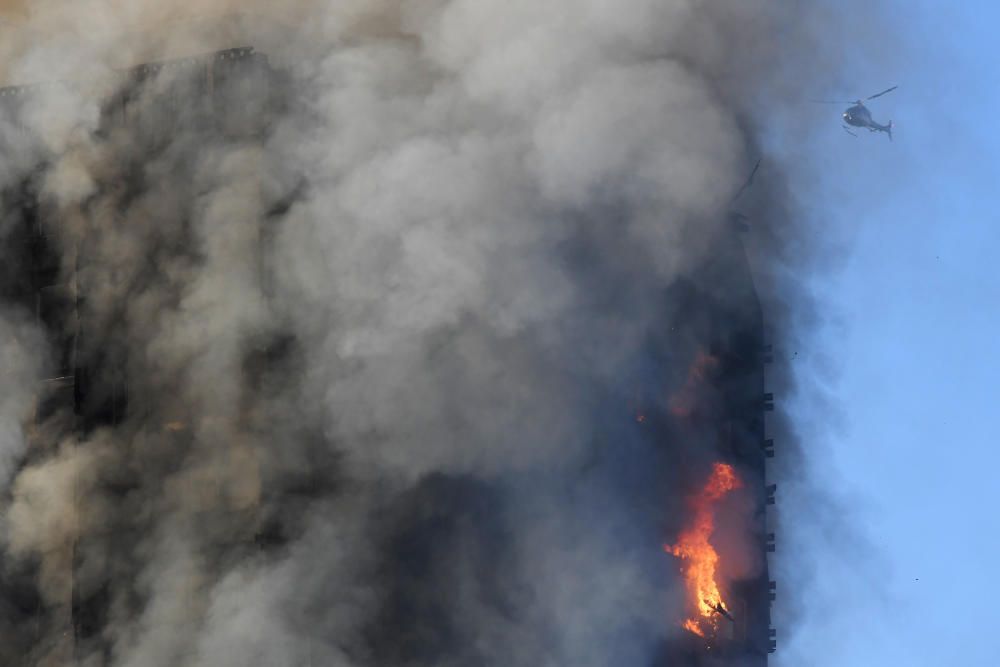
382, 330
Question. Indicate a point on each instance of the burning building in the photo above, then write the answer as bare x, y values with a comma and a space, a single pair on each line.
92, 383
724, 400
375, 353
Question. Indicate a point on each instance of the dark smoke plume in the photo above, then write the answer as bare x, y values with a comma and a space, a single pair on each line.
364, 358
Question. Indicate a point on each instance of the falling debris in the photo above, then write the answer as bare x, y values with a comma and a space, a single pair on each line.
748, 184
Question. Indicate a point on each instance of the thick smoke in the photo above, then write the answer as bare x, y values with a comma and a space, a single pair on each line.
381, 352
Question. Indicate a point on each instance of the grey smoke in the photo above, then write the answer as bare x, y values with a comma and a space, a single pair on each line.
476, 211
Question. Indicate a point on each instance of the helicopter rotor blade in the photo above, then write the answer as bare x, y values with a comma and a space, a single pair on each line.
887, 90
831, 101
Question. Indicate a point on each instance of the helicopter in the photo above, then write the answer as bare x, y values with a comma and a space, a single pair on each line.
858, 115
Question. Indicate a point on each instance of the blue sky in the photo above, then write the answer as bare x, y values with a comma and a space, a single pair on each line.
908, 351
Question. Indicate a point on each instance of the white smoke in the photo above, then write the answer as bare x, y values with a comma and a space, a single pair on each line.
439, 161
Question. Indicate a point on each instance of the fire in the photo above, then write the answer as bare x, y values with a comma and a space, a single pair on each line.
699, 556
692, 626
683, 402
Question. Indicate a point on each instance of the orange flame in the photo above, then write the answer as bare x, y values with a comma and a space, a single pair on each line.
699, 556
684, 401
692, 626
